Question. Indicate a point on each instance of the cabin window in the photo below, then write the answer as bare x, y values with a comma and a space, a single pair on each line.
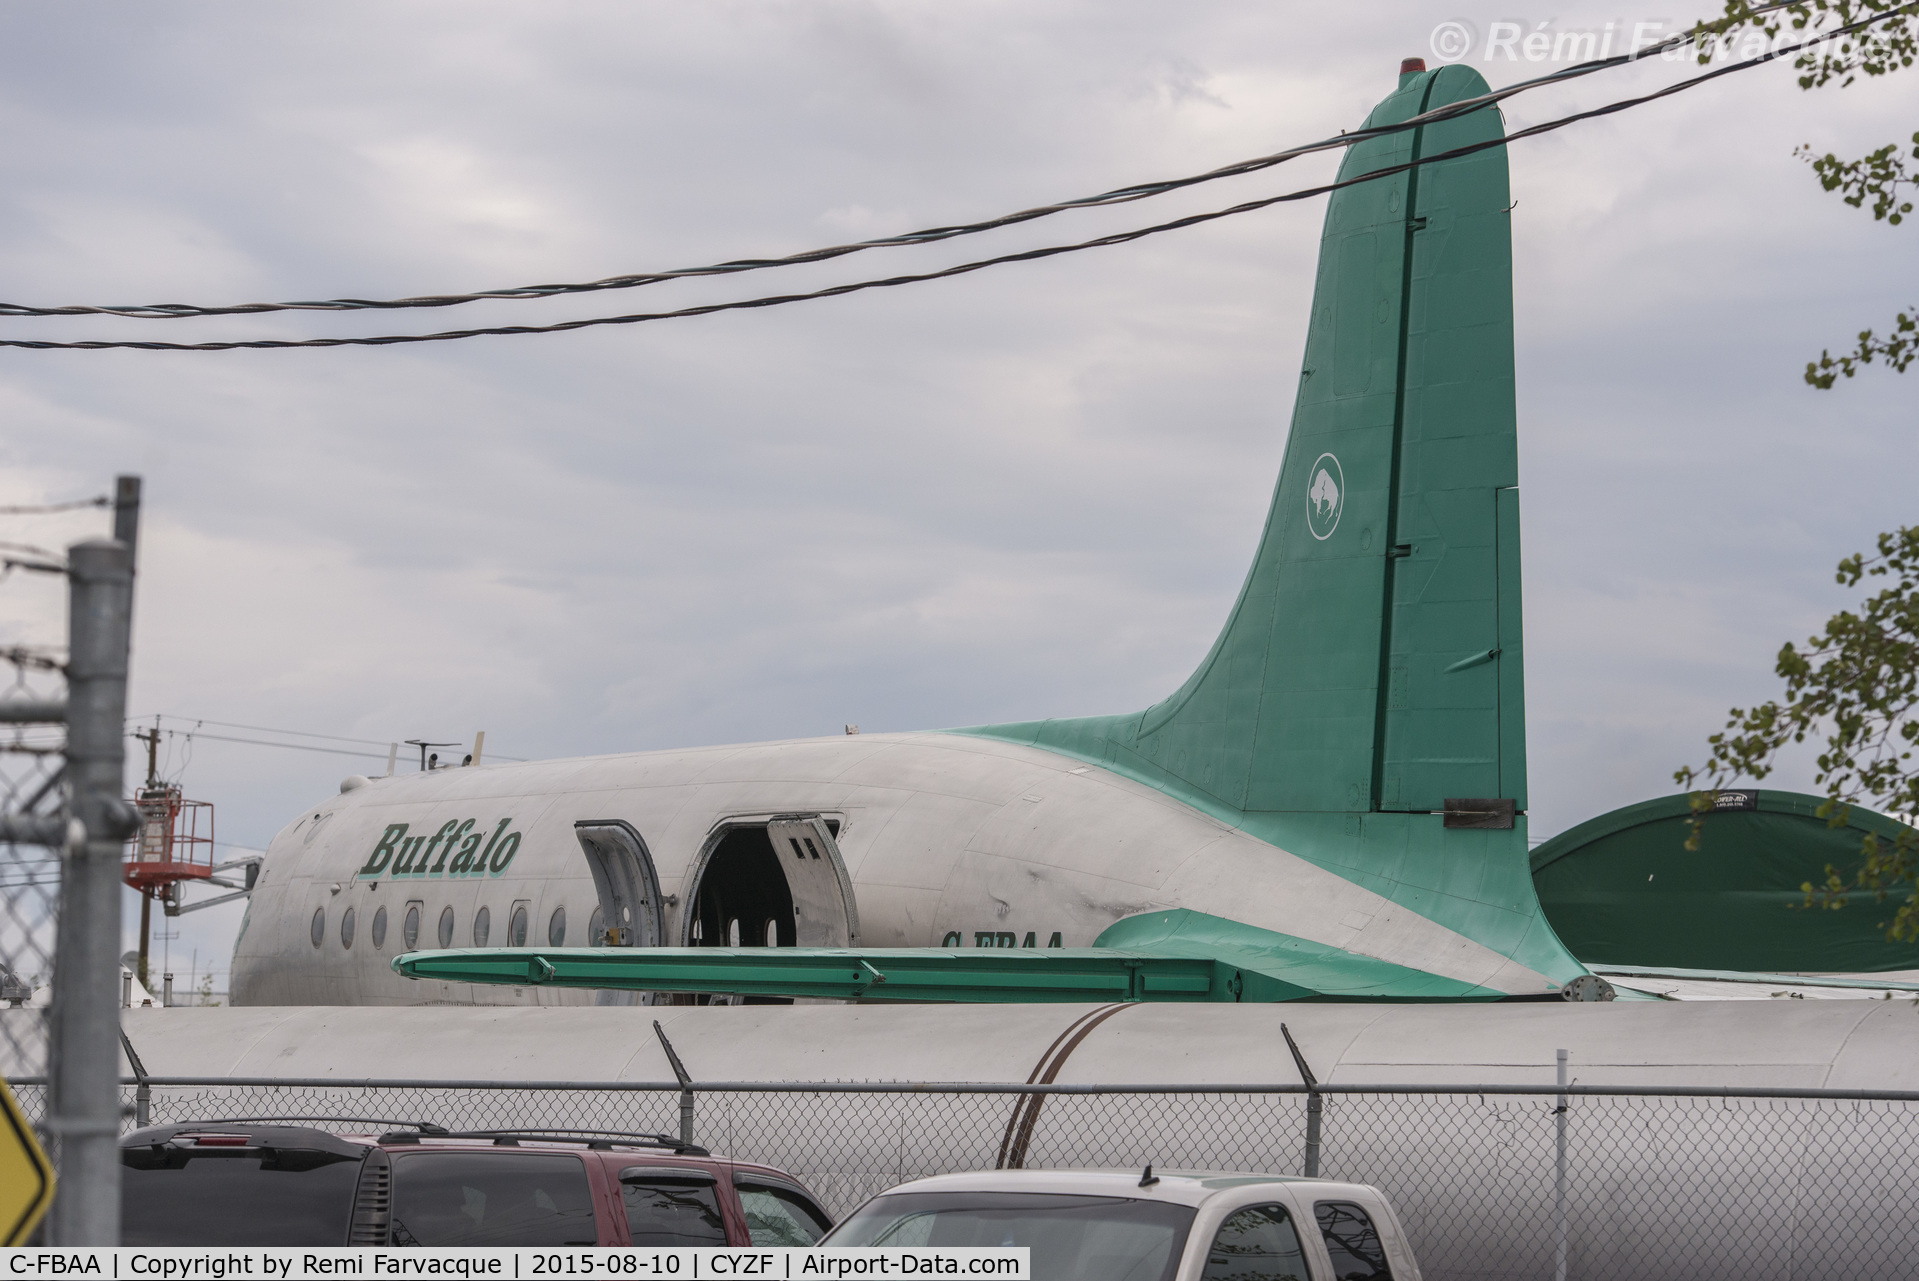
491, 1199
596, 929
482, 925
379, 930
770, 933
319, 926
1258, 1242
778, 1216
1353, 1242
410, 928
446, 927
516, 926
556, 928
733, 932
346, 929
664, 1207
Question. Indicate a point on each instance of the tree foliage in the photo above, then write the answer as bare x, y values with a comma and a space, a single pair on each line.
1889, 43
1855, 686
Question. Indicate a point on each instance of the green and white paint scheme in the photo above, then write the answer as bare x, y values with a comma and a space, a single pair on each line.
1274, 830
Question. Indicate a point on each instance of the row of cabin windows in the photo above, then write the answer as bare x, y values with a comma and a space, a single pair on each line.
482, 927
734, 934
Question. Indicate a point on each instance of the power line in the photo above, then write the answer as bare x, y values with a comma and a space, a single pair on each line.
196, 732
45, 508
265, 729
261, 742
1030, 255
930, 235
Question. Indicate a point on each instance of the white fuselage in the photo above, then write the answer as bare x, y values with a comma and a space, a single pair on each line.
941, 839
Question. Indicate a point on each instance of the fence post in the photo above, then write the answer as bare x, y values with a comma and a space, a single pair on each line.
143, 1092
84, 1115
1314, 1104
686, 1084
1559, 1179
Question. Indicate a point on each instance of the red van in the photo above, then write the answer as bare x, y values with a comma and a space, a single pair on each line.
216, 1183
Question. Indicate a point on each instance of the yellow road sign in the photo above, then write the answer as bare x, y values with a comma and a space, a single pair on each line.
26, 1176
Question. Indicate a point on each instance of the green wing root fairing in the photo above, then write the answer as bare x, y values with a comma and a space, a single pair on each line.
1157, 956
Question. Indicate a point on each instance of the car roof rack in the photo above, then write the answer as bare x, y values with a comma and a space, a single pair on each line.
425, 1127
597, 1140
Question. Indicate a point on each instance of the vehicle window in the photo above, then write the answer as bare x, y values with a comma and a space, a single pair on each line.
1073, 1238
410, 928
346, 929
446, 927
556, 927
318, 931
1256, 1244
663, 1211
279, 1197
379, 929
491, 1198
482, 922
1358, 1254
516, 926
775, 1216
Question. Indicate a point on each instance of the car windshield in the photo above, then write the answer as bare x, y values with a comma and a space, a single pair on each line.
1073, 1238
283, 1196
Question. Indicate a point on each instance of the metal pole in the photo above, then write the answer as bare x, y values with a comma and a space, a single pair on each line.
1314, 1103
686, 1084
143, 1092
1313, 1106
84, 1112
166, 991
1559, 1181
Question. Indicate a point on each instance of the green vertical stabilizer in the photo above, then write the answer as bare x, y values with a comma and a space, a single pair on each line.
1371, 669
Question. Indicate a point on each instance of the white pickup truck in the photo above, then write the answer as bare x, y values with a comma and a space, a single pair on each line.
1133, 1225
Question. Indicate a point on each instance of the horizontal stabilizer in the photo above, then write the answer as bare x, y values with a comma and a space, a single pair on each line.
1174, 956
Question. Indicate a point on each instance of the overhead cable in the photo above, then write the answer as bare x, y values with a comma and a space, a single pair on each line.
42, 509
260, 729
835, 291
930, 235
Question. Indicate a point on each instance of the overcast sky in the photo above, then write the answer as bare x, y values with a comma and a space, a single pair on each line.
1028, 492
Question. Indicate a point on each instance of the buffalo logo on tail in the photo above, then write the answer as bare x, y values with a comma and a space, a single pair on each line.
1325, 496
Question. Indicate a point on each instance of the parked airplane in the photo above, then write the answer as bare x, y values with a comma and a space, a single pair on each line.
1332, 806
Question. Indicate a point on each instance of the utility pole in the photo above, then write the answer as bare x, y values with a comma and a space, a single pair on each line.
83, 1096
152, 739
84, 1103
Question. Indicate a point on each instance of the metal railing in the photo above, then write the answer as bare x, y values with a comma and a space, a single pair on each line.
1657, 1182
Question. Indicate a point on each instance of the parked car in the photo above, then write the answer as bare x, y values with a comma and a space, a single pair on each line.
216, 1183
1113, 1225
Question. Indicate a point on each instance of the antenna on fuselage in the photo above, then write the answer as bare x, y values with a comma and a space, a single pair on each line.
422, 744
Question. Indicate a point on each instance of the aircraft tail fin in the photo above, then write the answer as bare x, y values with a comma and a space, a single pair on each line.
1369, 678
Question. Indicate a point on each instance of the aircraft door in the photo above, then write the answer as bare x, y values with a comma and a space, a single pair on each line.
823, 907
630, 909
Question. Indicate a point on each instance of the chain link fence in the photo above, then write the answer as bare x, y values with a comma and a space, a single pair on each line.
1682, 1184
32, 771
